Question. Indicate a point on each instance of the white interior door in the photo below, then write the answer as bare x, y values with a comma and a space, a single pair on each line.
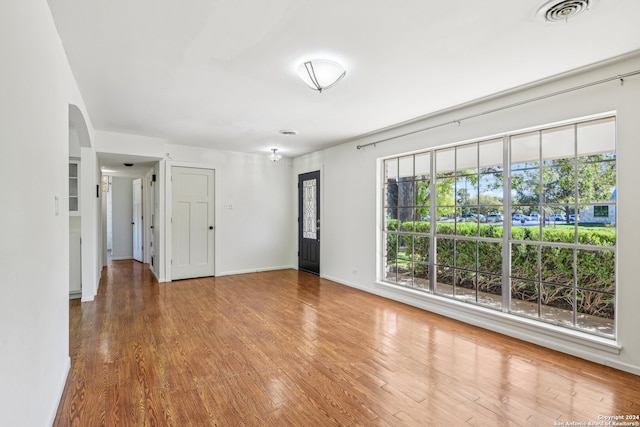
192, 222
137, 219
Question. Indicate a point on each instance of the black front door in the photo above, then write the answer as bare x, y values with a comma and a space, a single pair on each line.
309, 222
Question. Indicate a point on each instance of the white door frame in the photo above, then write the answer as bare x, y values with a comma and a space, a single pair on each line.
137, 220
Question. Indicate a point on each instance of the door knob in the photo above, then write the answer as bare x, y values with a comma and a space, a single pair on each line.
211, 227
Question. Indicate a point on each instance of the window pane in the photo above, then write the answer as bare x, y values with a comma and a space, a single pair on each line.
558, 143
467, 190
597, 139
524, 261
525, 150
422, 196
73, 203
444, 280
391, 193
405, 274
490, 153
446, 225
423, 217
309, 224
490, 189
556, 304
467, 159
406, 216
405, 167
468, 222
524, 298
390, 169
466, 254
465, 285
445, 162
73, 188
423, 166
421, 248
490, 257
406, 195
444, 251
559, 183
490, 290
445, 189
525, 186
391, 246
596, 182
407, 245
596, 311
558, 227
557, 265
596, 225
391, 223
421, 276
522, 231
596, 270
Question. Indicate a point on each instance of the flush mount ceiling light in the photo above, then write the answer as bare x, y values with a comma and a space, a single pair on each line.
289, 132
562, 10
274, 156
321, 74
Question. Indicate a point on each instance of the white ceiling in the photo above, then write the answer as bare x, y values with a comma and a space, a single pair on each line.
221, 73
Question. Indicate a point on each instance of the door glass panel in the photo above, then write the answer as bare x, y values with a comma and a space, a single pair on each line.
309, 220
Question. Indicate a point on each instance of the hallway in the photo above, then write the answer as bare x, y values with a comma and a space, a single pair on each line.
288, 348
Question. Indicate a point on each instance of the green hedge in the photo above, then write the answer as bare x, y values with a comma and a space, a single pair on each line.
596, 268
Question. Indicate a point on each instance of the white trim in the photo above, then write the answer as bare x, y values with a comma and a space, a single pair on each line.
257, 270
120, 258
60, 387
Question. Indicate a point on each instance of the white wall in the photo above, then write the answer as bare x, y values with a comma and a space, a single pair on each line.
121, 217
252, 202
348, 233
90, 210
37, 87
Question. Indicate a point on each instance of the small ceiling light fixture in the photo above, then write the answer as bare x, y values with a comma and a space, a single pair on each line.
321, 74
289, 132
562, 10
128, 164
274, 157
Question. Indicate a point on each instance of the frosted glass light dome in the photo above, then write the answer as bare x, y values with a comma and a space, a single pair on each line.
321, 74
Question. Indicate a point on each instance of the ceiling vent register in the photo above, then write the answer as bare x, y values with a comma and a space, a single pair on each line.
561, 11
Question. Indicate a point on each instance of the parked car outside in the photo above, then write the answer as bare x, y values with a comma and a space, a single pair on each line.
519, 217
574, 218
474, 217
534, 217
555, 217
495, 218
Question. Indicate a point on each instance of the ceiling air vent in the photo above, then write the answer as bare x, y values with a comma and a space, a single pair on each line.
563, 10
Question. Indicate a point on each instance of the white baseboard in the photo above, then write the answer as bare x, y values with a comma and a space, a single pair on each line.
256, 270
120, 258
61, 384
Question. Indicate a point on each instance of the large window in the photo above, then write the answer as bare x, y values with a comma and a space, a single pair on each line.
524, 224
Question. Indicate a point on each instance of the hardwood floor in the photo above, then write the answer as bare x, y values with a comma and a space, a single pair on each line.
287, 348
